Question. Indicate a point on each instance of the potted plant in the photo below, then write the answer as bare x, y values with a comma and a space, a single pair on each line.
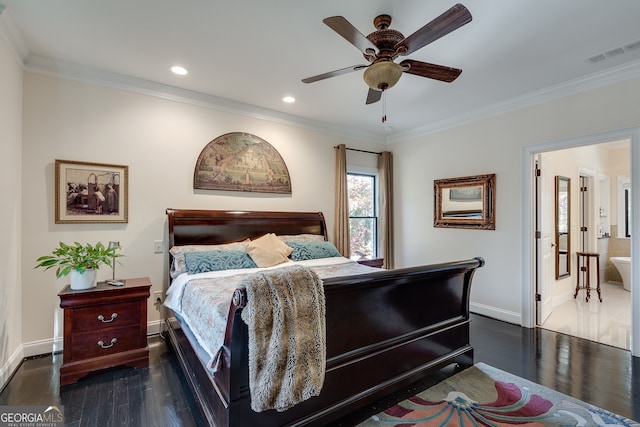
81, 261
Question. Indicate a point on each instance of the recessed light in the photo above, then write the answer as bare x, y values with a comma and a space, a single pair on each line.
181, 71
289, 99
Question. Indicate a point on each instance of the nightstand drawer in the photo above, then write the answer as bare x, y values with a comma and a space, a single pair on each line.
103, 316
103, 343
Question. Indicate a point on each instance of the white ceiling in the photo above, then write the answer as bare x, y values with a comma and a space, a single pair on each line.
254, 52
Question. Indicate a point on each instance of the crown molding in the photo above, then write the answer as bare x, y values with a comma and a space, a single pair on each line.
41, 65
619, 74
12, 35
76, 72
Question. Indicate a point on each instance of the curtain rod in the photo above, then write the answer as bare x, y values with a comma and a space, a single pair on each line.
362, 151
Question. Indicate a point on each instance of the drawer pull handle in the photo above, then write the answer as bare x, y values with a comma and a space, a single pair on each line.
113, 341
113, 317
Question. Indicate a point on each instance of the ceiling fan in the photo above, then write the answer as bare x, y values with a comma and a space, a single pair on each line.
384, 45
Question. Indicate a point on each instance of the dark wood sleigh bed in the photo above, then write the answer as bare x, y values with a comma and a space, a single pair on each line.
385, 330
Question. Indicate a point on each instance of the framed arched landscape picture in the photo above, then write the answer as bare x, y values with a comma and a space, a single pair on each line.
241, 161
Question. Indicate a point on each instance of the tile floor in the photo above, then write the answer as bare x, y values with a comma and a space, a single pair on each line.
607, 322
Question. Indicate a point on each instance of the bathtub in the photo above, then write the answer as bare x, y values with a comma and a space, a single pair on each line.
623, 264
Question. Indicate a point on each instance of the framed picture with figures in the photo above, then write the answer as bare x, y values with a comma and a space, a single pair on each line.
87, 192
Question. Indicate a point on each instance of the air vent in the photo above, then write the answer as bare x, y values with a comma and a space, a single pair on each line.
632, 46
597, 58
614, 52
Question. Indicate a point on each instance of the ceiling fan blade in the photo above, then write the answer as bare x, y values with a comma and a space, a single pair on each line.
343, 27
431, 71
373, 96
449, 21
334, 73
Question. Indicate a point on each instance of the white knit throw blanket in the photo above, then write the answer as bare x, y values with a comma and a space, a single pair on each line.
285, 313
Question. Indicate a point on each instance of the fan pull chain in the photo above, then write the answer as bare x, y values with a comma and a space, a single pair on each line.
384, 106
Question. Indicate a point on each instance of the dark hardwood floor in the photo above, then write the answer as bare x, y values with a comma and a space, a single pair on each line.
605, 376
158, 395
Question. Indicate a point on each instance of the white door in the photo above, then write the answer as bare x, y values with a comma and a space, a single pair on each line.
545, 246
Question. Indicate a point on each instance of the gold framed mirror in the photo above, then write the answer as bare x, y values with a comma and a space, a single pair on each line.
563, 226
465, 202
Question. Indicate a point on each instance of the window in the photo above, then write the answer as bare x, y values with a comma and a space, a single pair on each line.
363, 215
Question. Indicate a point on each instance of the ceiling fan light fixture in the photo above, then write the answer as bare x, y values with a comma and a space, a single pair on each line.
382, 75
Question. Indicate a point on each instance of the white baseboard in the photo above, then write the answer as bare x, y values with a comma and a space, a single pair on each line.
561, 299
12, 364
496, 313
36, 348
53, 345
155, 327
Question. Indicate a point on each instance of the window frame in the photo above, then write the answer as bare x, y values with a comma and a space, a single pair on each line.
369, 172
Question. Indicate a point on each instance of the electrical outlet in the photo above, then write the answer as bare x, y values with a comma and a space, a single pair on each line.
158, 246
157, 297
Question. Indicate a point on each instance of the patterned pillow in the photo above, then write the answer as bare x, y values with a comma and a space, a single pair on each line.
312, 250
302, 238
202, 262
178, 266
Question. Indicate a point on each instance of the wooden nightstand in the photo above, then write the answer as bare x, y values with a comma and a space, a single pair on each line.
372, 262
104, 326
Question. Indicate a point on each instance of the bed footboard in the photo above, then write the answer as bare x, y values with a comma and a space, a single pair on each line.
385, 330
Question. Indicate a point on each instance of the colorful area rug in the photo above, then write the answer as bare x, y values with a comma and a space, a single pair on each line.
486, 396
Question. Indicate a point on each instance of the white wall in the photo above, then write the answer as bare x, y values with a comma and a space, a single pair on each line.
10, 213
620, 166
160, 141
493, 145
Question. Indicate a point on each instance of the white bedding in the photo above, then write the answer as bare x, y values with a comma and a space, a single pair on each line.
203, 300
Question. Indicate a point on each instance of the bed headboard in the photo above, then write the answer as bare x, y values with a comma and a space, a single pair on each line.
211, 227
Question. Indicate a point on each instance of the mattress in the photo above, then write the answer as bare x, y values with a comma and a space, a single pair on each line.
201, 301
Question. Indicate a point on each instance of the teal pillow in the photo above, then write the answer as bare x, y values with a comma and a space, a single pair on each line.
202, 262
312, 250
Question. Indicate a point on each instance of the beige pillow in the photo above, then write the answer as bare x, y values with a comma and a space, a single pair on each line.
268, 250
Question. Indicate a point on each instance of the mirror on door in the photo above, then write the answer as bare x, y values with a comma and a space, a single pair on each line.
563, 227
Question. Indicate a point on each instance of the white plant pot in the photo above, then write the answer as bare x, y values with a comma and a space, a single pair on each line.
86, 280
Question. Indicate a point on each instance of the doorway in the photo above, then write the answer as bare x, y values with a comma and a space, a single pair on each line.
583, 199
562, 288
